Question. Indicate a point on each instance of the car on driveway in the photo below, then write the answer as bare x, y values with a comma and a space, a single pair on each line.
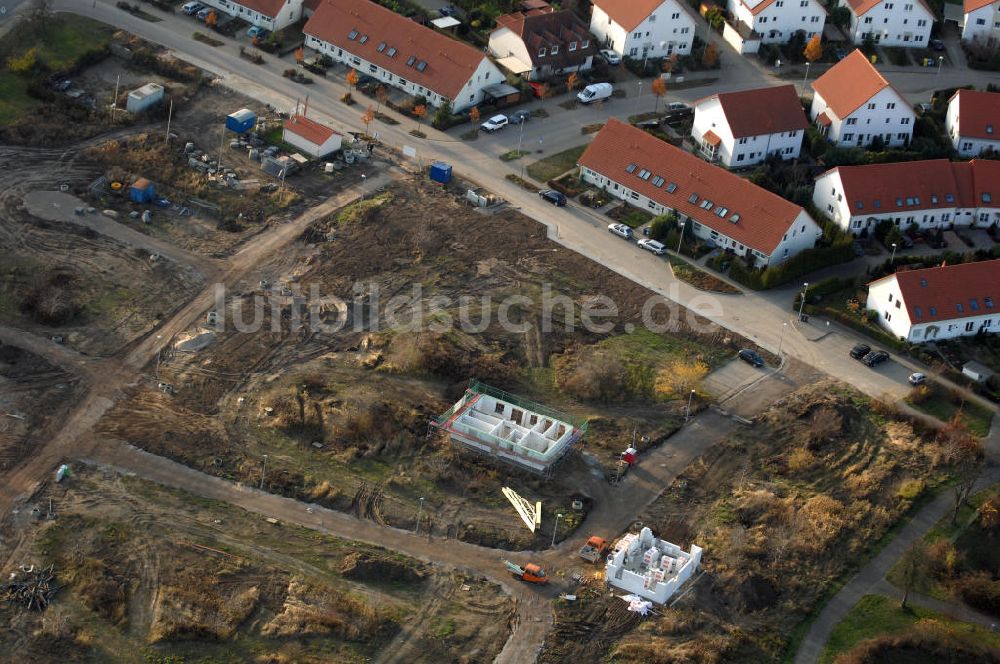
448, 10
751, 357
917, 378
495, 123
517, 117
652, 245
937, 44
621, 230
875, 358
553, 196
190, 8
611, 57
257, 32
860, 350
203, 13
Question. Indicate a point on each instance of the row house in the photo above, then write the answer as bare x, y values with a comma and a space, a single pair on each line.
973, 122
643, 28
890, 22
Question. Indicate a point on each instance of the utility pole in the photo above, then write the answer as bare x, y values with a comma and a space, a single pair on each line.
114, 102
222, 144
419, 512
263, 471
170, 115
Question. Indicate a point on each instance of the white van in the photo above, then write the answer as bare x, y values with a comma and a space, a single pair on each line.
594, 92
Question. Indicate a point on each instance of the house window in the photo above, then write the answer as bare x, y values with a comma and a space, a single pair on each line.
852, 121
904, 121
848, 137
585, 44
541, 52
970, 326
988, 301
918, 312
572, 46
554, 50
959, 308
814, 19
871, 107
921, 23
933, 311
899, 303
675, 16
637, 35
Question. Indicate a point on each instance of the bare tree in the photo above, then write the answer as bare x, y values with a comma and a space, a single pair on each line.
913, 566
964, 453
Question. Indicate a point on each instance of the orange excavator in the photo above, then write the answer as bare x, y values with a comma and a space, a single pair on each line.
530, 573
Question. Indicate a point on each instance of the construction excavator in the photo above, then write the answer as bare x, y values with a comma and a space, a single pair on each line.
530, 573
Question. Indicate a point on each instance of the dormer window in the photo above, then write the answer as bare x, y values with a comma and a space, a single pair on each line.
989, 129
572, 46
959, 308
541, 52
585, 44
554, 50
352, 35
986, 197
363, 40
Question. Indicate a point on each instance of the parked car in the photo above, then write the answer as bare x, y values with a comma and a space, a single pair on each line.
611, 57
517, 117
448, 10
552, 196
875, 357
203, 13
190, 8
937, 44
751, 357
652, 245
495, 123
256, 32
860, 351
917, 378
594, 92
621, 230
678, 106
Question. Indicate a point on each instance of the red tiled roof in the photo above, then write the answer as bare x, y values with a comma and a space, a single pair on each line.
920, 185
860, 7
973, 5
711, 137
849, 84
628, 13
266, 7
978, 114
763, 217
449, 63
764, 4
762, 110
824, 119
310, 130
540, 28
975, 287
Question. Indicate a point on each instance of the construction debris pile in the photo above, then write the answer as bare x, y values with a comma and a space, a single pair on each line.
30, 588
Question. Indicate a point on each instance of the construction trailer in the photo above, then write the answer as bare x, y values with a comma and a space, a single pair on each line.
142, 191
649, 567
143, 98
509, 428
242, 121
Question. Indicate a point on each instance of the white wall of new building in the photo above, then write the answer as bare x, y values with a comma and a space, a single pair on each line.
618, 575
802, 233
667, 30
887, 113
967, 146
829, 198
885, 299
329, 146
893, 23
504, 42
982, 24
740, 152
290, 13
486, 74
777, 22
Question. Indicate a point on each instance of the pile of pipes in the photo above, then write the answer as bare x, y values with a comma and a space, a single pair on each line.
30, 588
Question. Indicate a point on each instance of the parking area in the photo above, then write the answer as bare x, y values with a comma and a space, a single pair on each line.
730, 378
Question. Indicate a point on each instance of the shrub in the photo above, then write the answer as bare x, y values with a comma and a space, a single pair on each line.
599, 377
980, 591
800, 459
910, 489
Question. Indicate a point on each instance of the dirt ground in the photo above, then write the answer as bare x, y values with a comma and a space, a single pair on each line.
153, 573
343, 416
783, 508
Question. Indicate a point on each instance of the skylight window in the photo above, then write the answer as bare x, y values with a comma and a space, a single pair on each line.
934, 199
877, 203
933, 311
950, 198
363, 40
859, 205
918, 312
988, 301
658, 181
959, 308
923, 283
391, 52
643, 173
381, 47
693, 198
630, 168
986, 197
422, 65
909, 200
671, 188
410, 60
735, 218
899, 202
352, 35
706, 204
974, 304
721, 211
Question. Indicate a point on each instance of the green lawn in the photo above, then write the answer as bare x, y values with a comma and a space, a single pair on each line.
942, 405
556, 164
876, 615
14, 99
648, 347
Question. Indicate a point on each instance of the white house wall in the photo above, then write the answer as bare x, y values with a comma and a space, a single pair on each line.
886, 113
982, 24
966, 146
290, 13
884, 298
667, 30
893, 23
329, 146
505, 43
778, 22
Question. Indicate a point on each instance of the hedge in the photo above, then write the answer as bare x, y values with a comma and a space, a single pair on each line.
799, 265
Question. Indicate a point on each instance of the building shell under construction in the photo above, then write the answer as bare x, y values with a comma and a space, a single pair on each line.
509, 428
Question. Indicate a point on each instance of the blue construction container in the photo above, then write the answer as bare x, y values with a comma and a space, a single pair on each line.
441, 172
241, 121
142, 191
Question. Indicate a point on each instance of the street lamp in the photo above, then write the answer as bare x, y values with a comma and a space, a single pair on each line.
419, 512
940, 62
520, 136
806, 77
637, 97
688, 415
555, 527
892, 259
784, 326
263, 470
802, 300
680, 239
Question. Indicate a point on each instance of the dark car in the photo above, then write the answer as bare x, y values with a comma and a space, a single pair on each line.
517, 117
860, 351
877, 357
751, 357
554, 197
937, 44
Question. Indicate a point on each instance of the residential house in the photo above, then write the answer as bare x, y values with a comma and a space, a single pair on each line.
743, 128
890, 22
643, 28
982, 21
315, 139
716, 205
777, 20
930, 194
391, 48
269, 14
853, 105
973, 122
540, 43
938, 302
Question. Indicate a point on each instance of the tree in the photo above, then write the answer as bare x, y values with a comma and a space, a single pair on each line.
382, 96
571, 82
680, 377
24, 63
300, 55
419, 111
715, 18
989, 514
661, 226
840, 17
710, 58
670, 62
912, 567
352, 78
659, 90
965, 455
443, 114
212, 19
814, 49
474, 115
368, 117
